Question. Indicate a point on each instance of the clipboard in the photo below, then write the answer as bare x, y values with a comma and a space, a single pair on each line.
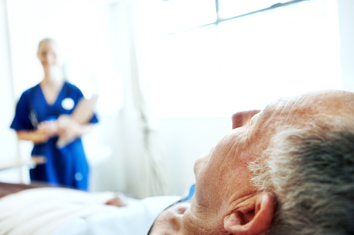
82, 114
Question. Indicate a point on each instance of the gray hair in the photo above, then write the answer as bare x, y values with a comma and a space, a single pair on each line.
311, 171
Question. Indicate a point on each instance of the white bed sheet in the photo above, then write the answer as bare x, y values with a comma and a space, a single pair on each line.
64, 211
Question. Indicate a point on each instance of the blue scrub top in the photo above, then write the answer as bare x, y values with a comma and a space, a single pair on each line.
66, 166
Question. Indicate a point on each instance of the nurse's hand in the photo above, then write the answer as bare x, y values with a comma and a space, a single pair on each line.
68, 128
48, 128
40, 135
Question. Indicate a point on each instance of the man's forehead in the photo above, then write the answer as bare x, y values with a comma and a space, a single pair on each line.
281, 113
297, 109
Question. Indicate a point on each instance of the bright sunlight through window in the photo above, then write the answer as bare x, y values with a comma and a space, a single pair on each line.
244, 62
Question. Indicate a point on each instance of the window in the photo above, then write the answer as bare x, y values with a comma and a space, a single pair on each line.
232, 8
251, 54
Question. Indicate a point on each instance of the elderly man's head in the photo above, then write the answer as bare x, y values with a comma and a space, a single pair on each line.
288, 169
309, 166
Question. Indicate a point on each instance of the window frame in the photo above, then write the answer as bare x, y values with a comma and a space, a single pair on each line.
219, 19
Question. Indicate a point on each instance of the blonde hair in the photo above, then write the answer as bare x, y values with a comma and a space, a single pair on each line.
46, 40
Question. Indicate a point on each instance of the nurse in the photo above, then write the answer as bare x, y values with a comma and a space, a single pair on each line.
36, 120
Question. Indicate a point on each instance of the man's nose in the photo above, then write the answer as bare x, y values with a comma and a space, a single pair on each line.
241, 118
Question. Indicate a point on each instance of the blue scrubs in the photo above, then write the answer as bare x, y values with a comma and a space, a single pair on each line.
66, 166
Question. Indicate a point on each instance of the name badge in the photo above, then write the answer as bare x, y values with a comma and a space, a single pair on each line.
68, 104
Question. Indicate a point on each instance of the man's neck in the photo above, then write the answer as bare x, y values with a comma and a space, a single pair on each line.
180, 220
174, 220
196, 223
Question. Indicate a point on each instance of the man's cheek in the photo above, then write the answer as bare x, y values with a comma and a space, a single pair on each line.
202, 180
246, 158
202, 194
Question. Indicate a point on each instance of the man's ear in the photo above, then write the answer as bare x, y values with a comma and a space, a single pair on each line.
253, 222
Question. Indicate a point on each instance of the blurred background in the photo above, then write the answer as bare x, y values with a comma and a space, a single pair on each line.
169, 74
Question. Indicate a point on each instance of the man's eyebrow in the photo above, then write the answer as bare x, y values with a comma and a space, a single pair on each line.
265, 113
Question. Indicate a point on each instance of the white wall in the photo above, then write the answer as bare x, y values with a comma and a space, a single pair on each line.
181, 140
346, 34
8, 140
